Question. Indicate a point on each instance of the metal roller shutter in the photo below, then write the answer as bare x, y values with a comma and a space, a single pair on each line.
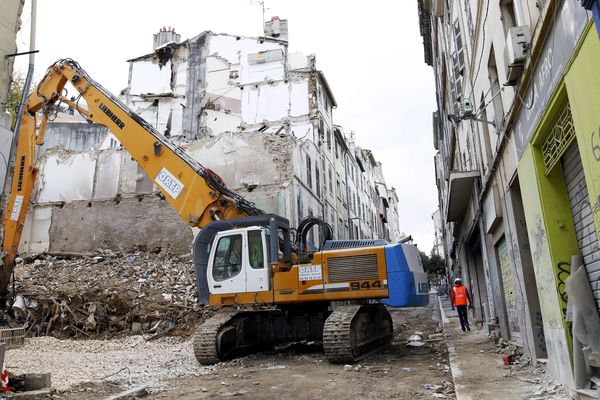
582, 216
510, 297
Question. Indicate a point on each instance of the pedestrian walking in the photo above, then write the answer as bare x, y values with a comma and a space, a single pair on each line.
460, 298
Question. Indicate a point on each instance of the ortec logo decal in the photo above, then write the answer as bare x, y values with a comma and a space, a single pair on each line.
169, 183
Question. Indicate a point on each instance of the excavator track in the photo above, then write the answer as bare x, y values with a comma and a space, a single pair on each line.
206, 338
356, 331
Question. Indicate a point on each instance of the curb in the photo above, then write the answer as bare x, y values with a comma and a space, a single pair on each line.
445, 319
452, 358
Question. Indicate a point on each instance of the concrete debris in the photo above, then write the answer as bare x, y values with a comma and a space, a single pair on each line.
414, 338
133, 393
99, 296
552, 390
415, 344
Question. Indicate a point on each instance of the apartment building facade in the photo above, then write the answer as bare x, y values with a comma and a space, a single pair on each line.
518, 169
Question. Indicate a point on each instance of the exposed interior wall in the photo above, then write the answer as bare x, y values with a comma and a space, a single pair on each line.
88, 200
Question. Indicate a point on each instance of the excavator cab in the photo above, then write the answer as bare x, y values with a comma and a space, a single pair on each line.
239, 261
234, 259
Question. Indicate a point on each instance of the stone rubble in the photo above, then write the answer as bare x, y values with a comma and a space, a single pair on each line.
106, 293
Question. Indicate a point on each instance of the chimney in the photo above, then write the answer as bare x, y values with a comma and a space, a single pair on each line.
164, 36
277, 29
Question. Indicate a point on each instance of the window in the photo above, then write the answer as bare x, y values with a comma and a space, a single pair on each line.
255, 250
495, 85
308, 171
317, 181
508, 15
485, 132
311, 233
469, 18
268, 244
330, 181
228, 258
337, 149
328, 138
321, 128
337, 187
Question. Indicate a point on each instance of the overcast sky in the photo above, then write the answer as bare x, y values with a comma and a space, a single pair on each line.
370, 51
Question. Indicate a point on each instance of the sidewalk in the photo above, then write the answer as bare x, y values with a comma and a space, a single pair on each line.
478, 371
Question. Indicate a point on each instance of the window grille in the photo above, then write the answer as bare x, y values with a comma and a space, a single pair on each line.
562, 133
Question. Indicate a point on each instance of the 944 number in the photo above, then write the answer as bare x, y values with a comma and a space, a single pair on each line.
362, 285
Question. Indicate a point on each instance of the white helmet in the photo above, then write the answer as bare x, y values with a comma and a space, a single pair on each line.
457, 280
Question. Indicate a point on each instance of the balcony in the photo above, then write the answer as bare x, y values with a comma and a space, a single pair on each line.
459, 192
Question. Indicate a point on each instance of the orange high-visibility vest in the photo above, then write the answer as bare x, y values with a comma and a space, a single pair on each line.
460, 295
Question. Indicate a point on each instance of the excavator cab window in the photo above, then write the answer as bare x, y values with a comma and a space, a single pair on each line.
228, 258
256, 249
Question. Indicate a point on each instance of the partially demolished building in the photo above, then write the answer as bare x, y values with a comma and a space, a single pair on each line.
257, 115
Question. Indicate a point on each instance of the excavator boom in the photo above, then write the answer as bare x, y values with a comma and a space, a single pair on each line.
196, 192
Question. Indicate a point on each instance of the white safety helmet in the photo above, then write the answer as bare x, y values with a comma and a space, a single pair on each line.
458, 280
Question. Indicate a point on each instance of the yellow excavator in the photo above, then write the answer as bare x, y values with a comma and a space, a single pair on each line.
243, 257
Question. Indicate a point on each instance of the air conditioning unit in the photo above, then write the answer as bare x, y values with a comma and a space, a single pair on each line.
518, 41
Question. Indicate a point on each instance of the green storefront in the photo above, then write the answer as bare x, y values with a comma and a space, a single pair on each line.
559, 176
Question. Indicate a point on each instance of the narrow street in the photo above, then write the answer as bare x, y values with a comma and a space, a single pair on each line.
267, 179
168, 369
432, 367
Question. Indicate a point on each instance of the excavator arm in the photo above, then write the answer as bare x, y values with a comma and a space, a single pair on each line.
196, 192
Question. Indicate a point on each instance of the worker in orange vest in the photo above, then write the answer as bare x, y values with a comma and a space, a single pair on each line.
460, 298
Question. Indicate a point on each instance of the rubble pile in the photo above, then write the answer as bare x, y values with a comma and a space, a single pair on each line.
507, 348
106, 293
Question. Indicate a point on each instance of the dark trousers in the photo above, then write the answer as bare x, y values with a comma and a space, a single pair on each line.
463, 317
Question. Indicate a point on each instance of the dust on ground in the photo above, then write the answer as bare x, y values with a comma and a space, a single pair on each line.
167, 366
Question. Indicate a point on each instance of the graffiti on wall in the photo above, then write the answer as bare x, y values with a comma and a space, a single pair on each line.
596, 144
563, 270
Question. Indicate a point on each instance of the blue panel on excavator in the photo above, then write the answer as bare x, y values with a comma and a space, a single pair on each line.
407, 282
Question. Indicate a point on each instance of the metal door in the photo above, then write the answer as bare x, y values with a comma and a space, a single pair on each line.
583, 218
510, 298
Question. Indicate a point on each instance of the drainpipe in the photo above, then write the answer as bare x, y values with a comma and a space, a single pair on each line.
23, 103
